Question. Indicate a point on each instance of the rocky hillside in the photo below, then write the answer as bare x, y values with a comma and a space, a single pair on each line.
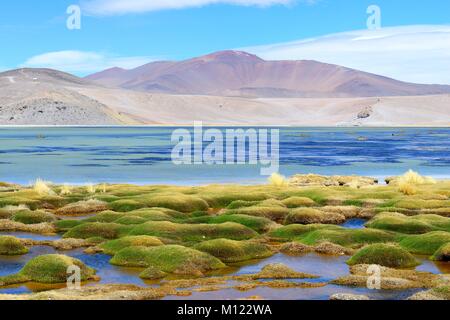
47, 97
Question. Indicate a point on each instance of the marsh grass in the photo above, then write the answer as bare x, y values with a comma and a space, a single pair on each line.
170, 259
313, 216
113, 246
98, 230
259, 224
443, 253
11, 246
33, 217
418, 224
234, 251
426, 244
49, 269
192, 233
387, 255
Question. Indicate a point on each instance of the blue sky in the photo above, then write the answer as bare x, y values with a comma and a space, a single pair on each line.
131, 32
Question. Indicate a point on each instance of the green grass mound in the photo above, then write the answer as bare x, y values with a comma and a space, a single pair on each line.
271, 203
17, 201
113, 246
223, 197
398, 223
126, 205
417, 204
387, 255
66, 225
313, 216
293, 231
418, 224
258, 224
274, 213
296, 202
442, 254
130, 220
157, 214
152, 273
134, 217
427, 243
11, 246
347, 237
179, 202
234, 251
437, 222
169, 259
33, 217
49, 269
8, 211
97, 230
242, 204
105, 217
194, 232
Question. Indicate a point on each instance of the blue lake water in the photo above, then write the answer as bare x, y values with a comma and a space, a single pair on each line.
142, 155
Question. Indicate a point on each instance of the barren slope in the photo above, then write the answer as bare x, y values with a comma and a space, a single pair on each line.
42, 97
235, 73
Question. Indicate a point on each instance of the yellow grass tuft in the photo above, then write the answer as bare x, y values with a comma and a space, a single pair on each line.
277, 180
407, 189
42, 187
90, 188
66, 190
414, 178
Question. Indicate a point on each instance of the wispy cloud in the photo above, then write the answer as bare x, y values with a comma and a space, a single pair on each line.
410, 53
118, 7
82, 62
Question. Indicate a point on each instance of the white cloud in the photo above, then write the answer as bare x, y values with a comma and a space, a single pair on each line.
410, 53
117, 7
82, 62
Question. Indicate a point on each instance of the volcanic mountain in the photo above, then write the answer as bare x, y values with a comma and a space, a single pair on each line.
237, 73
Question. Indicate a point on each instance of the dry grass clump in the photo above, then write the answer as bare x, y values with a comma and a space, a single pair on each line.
391, 279
313, 216
281, 271
407, 189
277, 180
407, 184
90, 188
65, 190
43, 187
83, 207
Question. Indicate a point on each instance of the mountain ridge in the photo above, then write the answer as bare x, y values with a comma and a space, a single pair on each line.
238, 73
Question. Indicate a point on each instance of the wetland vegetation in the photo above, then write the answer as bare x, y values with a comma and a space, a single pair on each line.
181, 241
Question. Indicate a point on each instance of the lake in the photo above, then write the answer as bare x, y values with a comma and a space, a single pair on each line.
142, 155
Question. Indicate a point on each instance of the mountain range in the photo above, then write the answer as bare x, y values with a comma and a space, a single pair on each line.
238, 73
223, 88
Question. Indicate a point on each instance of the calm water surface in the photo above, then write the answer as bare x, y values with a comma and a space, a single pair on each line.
143, 155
